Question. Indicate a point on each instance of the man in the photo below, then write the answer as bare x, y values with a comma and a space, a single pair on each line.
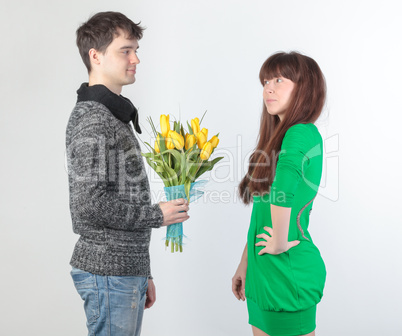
110, 199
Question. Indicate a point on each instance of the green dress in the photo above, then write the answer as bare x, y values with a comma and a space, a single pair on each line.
282, 290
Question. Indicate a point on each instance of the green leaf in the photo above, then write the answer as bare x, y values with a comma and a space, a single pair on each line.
172, 176
162, 146
157, 160
190, 130
155, 168
152, 126
179, 163
193, 150
159, 169
193, 154
203, 117
150, 147
177, 127
153, 165
216, 160
192, 168
147, 155
187, 187
206, 166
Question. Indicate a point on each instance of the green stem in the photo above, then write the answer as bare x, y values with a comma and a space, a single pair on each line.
195, 174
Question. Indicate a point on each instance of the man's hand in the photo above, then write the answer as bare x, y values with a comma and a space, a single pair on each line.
151, 294
174, 211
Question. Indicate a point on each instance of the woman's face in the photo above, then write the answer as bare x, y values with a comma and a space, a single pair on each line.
277, 94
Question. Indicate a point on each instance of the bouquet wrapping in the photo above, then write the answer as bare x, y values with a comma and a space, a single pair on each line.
174, 232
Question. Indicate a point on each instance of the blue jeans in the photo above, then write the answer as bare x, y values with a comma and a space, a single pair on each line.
114, 305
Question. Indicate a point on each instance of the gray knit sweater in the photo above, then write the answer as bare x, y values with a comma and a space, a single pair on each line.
110, 199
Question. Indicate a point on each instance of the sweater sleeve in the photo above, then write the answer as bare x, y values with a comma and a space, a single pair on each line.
94, 198
291, 166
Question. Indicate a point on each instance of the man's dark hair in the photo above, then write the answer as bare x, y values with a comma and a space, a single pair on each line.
100, 30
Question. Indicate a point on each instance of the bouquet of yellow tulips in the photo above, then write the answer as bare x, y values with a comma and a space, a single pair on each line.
180, 158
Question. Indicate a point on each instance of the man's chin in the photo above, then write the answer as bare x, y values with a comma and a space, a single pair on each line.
130, 81
125, 83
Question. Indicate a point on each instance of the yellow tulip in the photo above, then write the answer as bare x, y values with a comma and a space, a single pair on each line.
201, 139
205, 131
206, 151
179, 143
214, 141
157, 149
190, 140
175, 139
165, 126
169, 141
195, 125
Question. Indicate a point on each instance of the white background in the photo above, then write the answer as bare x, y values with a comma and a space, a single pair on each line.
197, 56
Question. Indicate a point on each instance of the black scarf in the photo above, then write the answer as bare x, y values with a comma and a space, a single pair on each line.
121, 107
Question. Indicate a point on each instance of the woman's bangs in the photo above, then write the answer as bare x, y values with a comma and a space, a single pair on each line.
279, 66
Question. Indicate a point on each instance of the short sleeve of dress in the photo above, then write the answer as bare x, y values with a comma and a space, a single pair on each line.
292, 162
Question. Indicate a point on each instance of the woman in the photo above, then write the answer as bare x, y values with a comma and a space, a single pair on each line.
284, 269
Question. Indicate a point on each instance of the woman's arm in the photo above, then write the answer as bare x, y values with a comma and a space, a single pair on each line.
293, 161
277, 240
239, 279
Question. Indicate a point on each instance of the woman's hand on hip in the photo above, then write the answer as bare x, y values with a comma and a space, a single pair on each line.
269, 243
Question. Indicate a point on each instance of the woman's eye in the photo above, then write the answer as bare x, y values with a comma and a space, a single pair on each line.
279, 80
266, 82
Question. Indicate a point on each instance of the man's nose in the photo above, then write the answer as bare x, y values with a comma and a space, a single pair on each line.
135, 59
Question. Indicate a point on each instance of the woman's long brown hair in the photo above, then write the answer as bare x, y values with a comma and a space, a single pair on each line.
306, 104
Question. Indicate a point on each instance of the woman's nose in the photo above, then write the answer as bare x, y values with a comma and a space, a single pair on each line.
269, 88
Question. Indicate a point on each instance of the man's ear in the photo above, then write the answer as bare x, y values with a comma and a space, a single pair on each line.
94, 56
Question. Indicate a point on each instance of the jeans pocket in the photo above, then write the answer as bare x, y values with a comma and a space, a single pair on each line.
85, 284
126, 284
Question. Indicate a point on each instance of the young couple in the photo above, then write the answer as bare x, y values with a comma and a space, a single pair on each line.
111, 206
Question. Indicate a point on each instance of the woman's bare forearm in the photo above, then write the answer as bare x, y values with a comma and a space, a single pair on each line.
280, 224
244, 255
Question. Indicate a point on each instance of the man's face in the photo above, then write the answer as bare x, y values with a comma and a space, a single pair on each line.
117, 66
